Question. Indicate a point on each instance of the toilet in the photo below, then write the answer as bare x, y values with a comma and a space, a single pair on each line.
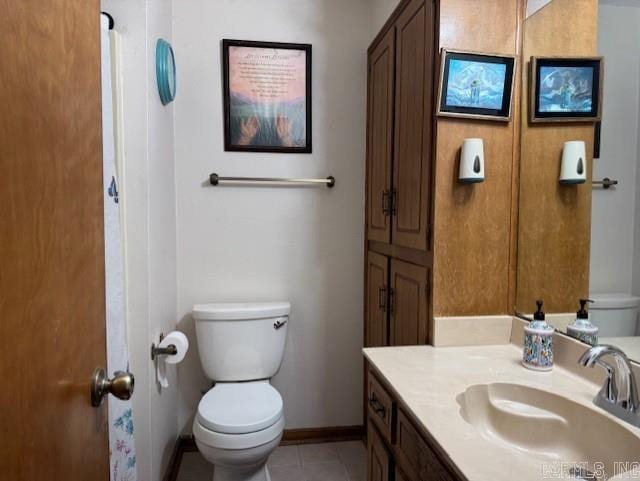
616, 315
240, 420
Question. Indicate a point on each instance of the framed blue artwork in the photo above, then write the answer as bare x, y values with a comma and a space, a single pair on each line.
566, 89
165, 71
476, 85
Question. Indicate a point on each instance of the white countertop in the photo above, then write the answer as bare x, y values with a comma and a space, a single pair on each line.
428, 380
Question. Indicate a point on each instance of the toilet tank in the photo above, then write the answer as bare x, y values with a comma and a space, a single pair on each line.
243, 341
616, 315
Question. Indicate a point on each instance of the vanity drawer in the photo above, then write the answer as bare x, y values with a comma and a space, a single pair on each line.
380, 407
414, 456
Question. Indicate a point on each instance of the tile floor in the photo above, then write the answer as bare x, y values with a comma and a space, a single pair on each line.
345, 461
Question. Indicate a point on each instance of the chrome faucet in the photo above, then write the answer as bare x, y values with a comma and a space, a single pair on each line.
619, 395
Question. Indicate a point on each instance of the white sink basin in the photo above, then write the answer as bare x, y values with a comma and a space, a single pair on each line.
565, 435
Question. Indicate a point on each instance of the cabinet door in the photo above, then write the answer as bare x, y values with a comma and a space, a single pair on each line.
414, 455
377, 457
409, 301
400, 476
380, 138
413, 125
377, 300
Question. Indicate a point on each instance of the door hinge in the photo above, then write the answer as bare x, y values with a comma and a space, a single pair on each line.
382, 298
427, 288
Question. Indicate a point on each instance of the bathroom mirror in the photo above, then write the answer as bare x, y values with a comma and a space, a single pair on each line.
582, 241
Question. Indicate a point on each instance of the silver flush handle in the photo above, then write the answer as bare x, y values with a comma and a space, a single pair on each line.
279, 323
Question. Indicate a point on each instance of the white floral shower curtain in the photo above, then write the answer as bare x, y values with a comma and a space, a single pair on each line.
121, 430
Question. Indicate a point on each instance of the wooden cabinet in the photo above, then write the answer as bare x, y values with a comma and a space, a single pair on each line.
413, 146
408, 304
380, 408
400, 476
414, 453
380, 138
399, 177
377, 300
400, 129
405, 453
397, 301
378, 459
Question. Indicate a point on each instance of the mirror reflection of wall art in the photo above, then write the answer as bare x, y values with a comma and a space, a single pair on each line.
475, 85
566, 89
267, 96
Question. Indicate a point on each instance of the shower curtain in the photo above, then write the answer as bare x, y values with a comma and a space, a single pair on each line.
121, 431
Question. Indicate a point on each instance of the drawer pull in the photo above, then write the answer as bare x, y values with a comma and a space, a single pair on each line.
377, 406
382, 298
386, 202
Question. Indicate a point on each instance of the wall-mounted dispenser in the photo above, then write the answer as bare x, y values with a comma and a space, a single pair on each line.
471, 161
574, 163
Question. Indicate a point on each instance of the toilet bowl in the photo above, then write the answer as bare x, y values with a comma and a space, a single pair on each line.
237, 427
240, 421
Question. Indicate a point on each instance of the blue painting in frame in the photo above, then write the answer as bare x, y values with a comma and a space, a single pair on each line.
566, 89
476, 85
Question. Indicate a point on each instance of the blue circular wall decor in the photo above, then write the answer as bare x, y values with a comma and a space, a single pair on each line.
165, 71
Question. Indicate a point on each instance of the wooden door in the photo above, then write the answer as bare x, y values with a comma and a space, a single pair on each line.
413, 145
380, 138
409, 309
52, 297
377, 322
377, 457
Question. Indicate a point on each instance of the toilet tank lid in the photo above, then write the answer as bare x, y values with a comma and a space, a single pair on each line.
614, 301
240, 310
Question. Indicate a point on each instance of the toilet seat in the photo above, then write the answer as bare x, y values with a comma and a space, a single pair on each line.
237, 441
240, 408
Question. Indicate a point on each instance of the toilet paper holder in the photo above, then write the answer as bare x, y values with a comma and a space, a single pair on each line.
156, 351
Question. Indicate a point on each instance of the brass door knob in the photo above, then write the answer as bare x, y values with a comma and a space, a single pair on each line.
121, 385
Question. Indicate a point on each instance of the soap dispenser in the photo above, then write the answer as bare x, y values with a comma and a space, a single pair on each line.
538, 342
582, 328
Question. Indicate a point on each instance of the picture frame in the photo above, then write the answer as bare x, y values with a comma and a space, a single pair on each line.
566, 89
267, 96
476, 85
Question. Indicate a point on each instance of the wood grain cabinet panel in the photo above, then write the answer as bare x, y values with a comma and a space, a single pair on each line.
377, 326
413, 125
380, 138
378, 459
414, 455
409, 454
380, 407
409, 304
400, 476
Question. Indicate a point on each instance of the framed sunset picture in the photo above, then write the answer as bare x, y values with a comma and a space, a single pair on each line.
267, 96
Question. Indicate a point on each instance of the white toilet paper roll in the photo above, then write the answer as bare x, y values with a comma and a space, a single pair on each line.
181, 342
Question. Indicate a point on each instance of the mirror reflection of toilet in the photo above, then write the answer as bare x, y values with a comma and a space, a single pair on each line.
616, 315
240, 421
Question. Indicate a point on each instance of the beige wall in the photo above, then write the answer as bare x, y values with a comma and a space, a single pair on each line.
379, 11
301, 245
